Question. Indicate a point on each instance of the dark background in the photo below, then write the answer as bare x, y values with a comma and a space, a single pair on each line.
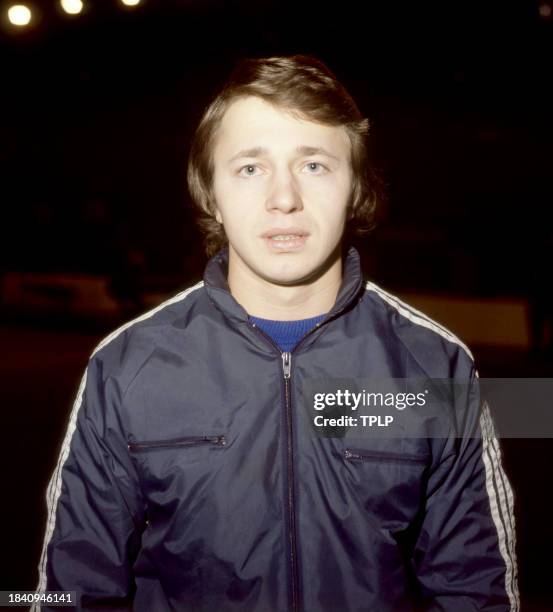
96, 114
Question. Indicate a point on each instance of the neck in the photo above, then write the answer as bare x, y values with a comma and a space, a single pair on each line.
263, 299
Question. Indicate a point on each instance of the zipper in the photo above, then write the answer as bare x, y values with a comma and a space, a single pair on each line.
286, 365
136, 447
287, 372
356, 455
286, 369
286, 357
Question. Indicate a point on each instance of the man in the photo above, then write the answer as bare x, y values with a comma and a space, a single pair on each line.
188, 478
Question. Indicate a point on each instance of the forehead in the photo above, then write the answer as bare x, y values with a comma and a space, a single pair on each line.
251, 122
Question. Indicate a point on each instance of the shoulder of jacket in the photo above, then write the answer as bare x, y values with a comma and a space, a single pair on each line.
150, 317
415, 324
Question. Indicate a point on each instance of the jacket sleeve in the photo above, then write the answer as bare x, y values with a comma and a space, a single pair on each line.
95, 512
464, 557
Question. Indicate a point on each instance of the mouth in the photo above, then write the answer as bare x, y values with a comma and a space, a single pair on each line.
285, 240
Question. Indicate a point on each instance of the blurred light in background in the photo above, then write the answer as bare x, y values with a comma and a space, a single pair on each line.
130, 2
545, 10
72, 7
19, 15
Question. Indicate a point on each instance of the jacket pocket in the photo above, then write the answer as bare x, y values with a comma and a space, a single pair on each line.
185, 442
389, 484
351, 454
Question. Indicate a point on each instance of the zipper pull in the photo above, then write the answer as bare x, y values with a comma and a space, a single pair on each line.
286, 364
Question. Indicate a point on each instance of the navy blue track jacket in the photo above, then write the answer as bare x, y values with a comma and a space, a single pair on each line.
188, 481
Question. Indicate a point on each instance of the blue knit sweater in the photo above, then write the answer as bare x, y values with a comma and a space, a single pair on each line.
287, 333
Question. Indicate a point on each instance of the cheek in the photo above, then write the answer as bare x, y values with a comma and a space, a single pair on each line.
221, 190
226, 199
331, 202
235, 194
334, 187
334, 219
235, 205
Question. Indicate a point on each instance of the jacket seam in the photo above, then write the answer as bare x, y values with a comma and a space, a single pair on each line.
416, 317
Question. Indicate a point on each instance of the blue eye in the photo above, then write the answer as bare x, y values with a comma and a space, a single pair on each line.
249, 170
315, 168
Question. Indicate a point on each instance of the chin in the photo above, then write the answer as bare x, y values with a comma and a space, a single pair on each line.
289, 275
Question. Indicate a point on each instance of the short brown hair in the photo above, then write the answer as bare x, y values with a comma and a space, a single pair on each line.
302, 85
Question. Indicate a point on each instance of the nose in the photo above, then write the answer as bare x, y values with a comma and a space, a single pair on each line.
284, 194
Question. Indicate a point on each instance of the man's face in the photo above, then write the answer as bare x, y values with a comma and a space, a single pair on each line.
282, 187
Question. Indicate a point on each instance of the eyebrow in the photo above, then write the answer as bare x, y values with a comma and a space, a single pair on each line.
302, 150
255, 152
305, 150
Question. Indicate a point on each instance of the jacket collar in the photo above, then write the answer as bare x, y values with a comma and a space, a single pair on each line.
216, 284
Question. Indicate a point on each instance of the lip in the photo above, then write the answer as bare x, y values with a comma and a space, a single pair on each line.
285, 231
294, 245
